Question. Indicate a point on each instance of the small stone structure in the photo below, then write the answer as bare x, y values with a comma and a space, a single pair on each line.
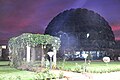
31, 48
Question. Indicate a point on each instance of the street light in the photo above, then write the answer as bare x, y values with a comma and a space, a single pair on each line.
50, 55
3, 46
85, 57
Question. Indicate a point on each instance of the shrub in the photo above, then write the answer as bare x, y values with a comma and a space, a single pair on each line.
61, 75
47, 75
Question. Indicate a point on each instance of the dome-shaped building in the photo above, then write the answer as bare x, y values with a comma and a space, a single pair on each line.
81, 29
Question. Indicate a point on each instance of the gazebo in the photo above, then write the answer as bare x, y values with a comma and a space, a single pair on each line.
28, 48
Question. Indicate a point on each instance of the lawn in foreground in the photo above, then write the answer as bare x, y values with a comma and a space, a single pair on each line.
95, 67
9, 73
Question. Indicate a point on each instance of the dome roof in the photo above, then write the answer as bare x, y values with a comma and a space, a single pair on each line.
81, 24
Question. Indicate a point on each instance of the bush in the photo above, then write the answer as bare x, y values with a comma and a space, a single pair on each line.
47, 75
10, 78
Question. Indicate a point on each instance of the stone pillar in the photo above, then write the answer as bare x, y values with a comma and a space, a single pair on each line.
33, 54
28, 54
42, 56
54, 56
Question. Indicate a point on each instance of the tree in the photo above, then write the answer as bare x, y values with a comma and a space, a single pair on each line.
77, 23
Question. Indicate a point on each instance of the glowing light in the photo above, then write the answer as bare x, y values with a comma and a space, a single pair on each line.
85, 55
3, 46
50, 54
88, 35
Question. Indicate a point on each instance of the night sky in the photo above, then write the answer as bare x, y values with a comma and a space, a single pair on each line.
20, 16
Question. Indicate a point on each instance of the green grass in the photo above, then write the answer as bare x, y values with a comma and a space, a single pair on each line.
95, 67
2, 63
9, 73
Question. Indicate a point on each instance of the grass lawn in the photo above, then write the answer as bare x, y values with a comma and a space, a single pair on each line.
8, 73
95, 67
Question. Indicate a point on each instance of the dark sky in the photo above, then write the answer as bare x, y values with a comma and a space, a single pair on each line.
19, 16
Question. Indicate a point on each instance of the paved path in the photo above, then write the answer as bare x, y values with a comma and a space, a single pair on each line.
89, 76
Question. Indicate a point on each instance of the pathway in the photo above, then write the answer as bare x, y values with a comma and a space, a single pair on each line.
88, 76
